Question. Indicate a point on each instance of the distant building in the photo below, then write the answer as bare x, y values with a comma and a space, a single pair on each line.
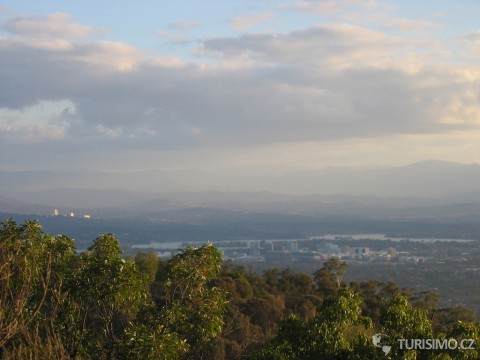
361, 251
412, 259
294, 245
278, 255
308, 255
87, 216
332, 248
268, 246
383, 258
254, 247
72, 214
55, 212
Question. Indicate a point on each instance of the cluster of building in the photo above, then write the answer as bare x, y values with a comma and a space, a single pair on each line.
288, 251
56, 212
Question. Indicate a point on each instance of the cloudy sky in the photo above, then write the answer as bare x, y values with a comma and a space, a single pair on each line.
244, 85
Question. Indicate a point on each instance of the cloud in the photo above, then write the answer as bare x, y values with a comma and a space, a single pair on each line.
30, 134
183, 25
53, 25
473, 35
240, 23
176, 32
105, 55
411, 25
175, 37
471, 41
335, 6
320, 84
337, 46
35, 124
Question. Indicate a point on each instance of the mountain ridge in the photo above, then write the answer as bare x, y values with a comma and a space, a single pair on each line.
429, 182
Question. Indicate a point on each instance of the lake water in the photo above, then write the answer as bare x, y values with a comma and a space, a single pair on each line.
330, 237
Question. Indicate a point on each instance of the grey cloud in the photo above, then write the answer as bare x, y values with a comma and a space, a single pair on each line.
315, 46
154, 106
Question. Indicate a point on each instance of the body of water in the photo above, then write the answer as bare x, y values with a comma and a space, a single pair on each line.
329, 237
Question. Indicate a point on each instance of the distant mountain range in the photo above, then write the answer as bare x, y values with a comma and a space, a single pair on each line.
435, 188
8, 205
425, 179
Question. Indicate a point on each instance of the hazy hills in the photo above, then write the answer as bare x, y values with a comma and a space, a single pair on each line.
8, 205
425, 179
431, 178
425, 189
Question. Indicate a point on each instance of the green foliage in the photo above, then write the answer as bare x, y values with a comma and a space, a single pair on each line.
461, 331
443, 319
150, 337
339, 331
56, 304
104, 292
329, 277
329, 335
148, 264
373, 294
400, 319
195, 307
31, 264
191, 316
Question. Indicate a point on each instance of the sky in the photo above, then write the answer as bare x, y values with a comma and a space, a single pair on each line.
255, 87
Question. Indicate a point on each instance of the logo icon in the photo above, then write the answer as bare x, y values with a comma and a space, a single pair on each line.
377, 339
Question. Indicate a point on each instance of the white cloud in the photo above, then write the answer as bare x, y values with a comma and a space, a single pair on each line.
337, 46
336, 6
30, 134
58, 25
105, 55
240, 23
112, 133
471, 42
411, 25
45, 121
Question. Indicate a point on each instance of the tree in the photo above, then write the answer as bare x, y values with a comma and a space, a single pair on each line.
464, 331
104, 294
329, 277
147, 263
56, 304
401, 320
373, 294
31, 266
332, 334
443, 319
191, 315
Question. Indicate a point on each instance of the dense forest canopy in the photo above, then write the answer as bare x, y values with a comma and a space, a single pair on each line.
56, 303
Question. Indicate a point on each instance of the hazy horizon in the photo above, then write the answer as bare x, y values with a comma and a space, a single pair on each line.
425, 179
